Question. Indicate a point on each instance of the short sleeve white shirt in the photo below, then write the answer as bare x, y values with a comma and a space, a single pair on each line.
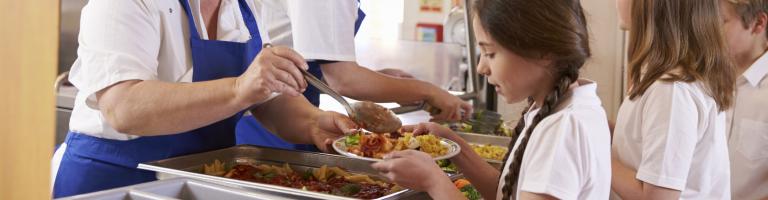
318, 30
674, 137
140, 40
568, 154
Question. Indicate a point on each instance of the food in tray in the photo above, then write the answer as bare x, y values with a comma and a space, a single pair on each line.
466, 188
374, 145
482, 122
216, 168
467, 127
489, 151
331, 180
447, 166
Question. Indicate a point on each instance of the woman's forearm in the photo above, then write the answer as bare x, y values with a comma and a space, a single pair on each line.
289, 117
357, 82
152, 107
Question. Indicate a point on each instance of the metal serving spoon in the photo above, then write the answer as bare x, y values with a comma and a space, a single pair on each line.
370, 116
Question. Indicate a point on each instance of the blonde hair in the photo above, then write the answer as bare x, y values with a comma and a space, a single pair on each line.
679, 40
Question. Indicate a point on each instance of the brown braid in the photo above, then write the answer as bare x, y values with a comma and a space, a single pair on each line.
549, 106
555, 30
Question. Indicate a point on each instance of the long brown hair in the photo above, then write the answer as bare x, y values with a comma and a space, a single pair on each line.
679, 40
538, 29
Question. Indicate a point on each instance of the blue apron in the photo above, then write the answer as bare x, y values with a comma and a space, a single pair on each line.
91, 164
249, 131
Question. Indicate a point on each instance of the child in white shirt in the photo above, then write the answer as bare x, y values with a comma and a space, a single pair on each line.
563, 150
669, 140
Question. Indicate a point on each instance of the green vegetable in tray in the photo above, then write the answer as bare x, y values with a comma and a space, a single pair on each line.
470, 192
307, 175
353, 139
504, 131
350, 189
447, 166
269, 175
466, 127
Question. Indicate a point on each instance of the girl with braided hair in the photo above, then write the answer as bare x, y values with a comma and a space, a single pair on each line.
531, 50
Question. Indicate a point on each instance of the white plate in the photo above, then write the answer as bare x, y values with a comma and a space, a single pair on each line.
340, 146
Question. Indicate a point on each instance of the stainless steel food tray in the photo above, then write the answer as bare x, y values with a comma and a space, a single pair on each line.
177, 188
475, 138
191, 166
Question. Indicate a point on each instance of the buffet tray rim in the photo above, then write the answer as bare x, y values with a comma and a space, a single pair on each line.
255, 185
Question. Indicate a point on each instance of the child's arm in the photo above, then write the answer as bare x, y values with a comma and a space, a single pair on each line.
482, 175
669, 130
623, 181
627, 187
417, 170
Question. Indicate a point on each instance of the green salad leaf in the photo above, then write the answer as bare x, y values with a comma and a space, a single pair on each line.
353, 139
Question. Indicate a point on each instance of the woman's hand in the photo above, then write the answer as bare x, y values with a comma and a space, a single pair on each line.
452, 108
329, 126
274, 70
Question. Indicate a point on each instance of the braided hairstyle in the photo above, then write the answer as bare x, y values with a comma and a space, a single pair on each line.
555, 30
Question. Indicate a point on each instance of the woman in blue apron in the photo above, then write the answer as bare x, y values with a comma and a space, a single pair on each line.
91, 163
249, 131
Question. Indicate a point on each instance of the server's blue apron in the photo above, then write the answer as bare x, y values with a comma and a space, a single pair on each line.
91, 164
249, 131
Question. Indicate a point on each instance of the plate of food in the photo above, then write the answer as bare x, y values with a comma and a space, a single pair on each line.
373, 146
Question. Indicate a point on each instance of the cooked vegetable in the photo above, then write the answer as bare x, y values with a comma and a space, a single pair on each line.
460, 183
471, 193
353, 139
488, 151
467, 189
447, 166
350, 189
331, 180
431, 144
374, 145
216, 168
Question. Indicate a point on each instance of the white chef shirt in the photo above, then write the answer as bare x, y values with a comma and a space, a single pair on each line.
568, 155
140, 40
748, 135
317, 29
674, 137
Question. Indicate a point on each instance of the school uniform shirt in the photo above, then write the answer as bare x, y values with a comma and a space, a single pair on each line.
140, 40
674, 137
748, 133
568, 154
318, 30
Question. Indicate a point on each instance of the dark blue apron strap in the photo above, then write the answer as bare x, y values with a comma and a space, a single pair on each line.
249, 18
360, 17
190, 19
245, 11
